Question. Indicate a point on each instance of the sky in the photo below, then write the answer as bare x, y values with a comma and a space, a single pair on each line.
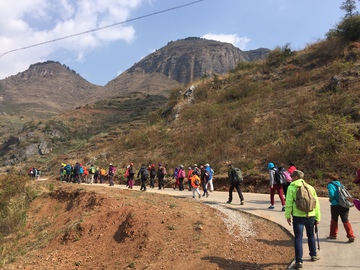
100, 39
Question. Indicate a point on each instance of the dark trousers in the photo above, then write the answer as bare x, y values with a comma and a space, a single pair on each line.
204, 187
238, 191
298, 225
161, 182
143, 184
181, 183
152, 182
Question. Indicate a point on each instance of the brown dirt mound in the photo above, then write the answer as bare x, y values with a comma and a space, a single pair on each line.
83, 227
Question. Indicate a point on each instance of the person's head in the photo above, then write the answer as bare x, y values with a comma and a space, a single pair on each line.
182, 167
297, 174
230, 165
131, 164
291, 164
270, 165
332, 176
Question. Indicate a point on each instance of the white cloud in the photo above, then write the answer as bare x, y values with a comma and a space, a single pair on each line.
234, 39
29, 22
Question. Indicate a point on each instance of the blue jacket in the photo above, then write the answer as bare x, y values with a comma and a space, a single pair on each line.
333, 193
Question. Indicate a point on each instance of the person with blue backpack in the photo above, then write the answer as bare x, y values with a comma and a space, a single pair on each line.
337, 210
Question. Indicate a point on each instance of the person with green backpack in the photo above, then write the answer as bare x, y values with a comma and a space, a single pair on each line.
235, 178
302, 205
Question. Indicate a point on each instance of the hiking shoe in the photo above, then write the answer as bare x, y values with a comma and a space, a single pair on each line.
199, 196
193, 197
283, 208
297, 265
207, 195
314, 258
351, 239
271, 207
228, 202
242, 203
331, 237
204, 195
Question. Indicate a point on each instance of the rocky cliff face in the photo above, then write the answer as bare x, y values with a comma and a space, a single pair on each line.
192, 58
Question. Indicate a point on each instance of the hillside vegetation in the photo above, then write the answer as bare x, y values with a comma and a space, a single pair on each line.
300, 107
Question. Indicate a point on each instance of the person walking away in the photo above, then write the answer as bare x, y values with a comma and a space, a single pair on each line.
234, 182
291, 168
288, 179
161, 172
81, 173
302, 219
195, 184
181, 176
204, 176
68, 169
92, 171
131, 175
337, 210
77, 173
152, 175
111, 174
189, 175
144, 175
275, 187
175, 176
97, 175
210, 181
102, 175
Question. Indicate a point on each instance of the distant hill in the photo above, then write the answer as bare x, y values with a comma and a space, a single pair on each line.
48, 88
45, 89
179, 63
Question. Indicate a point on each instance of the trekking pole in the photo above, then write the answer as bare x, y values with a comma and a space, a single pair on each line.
317, 236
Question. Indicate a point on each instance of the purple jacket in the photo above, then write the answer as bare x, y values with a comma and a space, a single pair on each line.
357, 204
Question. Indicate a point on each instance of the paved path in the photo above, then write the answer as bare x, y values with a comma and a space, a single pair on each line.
334, 254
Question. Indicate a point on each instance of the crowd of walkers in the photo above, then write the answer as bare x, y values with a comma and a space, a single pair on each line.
195, 177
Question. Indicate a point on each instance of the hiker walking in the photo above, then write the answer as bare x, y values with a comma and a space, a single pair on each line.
275, 187
175, 176
111, 174
301, 219
195, 184
144, 175
181, 176
102, 175
77, 173
152, 170
234, 182
189, 175
131, 176
161, 172
204, 177
92, 171
337, 210
210, 181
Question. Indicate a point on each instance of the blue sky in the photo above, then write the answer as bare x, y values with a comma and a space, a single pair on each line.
102, 55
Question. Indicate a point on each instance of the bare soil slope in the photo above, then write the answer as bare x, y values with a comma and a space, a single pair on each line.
89, 227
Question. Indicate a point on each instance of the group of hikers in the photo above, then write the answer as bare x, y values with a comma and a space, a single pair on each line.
34, 173
302, 209
197, 176
298, 199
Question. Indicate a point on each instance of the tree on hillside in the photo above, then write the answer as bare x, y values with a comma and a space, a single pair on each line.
349, 7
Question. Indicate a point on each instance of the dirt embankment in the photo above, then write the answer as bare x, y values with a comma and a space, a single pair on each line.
86, 227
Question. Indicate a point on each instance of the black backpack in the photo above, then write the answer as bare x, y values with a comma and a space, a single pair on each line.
279, 177
145, 174
237, 176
